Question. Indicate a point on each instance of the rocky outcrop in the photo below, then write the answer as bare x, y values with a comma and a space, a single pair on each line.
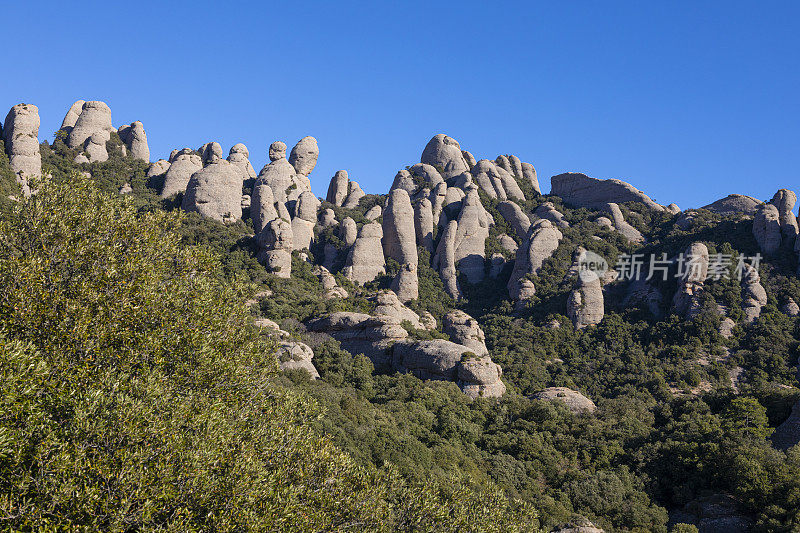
135, 140
280, 176
399, 235
540, 244
215, 192
529, 173
262, 206
767, 228
788, 433
275, 243
327, 218
790, 308
331, 289
406, 283
239, 155
373, 213
585, 302
294, 355
734, 203
627, 231
463, 329
641, 292
338, 188
424, 176
754, 297
437, 197
304, 155
423, 223
444, 260
784, 200
387, 303
690, 284
277, 150
495, 181
578, 526
574, 400
515, 217
507, 243
354, 196
72, 116
469, 158
365, 260
21, 136
348, 231
470, 238
374, 336
94, 117
549, 212
158, 168
444, 152
95, 149
582, 191
304, 220
182, 166
479, 377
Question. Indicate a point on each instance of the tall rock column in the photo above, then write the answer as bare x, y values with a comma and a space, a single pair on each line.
767, 228
21, 136
399, 243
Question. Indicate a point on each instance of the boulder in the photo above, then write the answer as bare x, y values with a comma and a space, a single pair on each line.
641, 292
715, 513
294, 355
470, 239
21, 135
348, 231
95, 146
135, 140
549, 212
387, 303
424, 177
445, 153
673, 209
790, 308
734, 203
262, 206
338, 188
767, 228
436, 359
479, 377
275, 242
507, 243
406, 283
582, 191
529, 173
94, 117
215, 192
304, 155
726, 326
404, 180
277, 150
574, 400
182, 166
463, 329
578, 526
279, 175
211, 152
469, 158
585, 302
374, 336
327, 218
365, 260
239, 155
331, 289
373, 213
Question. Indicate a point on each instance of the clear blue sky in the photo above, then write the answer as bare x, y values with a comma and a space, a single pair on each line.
688, 101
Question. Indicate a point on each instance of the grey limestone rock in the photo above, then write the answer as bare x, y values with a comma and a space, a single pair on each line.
444, 152
304, 155
574, 400
582, 191
21, 135
365, 260
215, 192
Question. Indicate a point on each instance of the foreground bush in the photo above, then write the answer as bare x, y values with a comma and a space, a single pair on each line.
136, 394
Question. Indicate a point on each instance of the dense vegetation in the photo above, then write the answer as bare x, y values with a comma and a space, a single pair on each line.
161, 357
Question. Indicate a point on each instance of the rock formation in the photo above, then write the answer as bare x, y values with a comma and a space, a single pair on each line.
423, 223
215, 191
95, 149
304, 220
135, 140
444, 152
627, 231
304, 155
279, 175
21, 136
690, 284
239, 155
365, 260
495, 181
540, 243
574, 400
399, 236
463, 329
470, 238
784, 200
294, 355
585, 302
354, 196
754, 297
338, 188
549, 212
159, 168
767, 228
94, 117
329, 286
72, 116
788, 433
277, 150
515, 217
582, 191
734, 203
444, 260
182, 166
275, 241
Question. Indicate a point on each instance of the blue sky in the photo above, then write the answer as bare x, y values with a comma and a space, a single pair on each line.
689, 101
